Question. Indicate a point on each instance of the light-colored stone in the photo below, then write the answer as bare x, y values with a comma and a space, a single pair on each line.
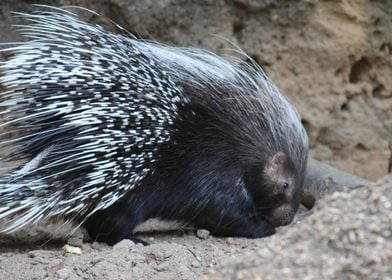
203, 233
63, 274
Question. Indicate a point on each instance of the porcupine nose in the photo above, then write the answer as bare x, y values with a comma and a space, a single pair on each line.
281, 215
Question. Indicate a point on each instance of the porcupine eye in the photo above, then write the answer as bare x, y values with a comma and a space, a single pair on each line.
285, 185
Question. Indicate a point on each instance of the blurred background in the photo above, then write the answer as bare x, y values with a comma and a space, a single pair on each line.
331, 58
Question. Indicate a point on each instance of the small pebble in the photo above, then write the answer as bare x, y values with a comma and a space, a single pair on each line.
96, 245
85, 247
165, 266
202, 233
75, 241
96, 260
38, 253
195, 264
182, 269
63, 273
229, 240
123, 244
71, 250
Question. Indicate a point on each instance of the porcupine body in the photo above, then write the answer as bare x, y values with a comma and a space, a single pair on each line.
115, 130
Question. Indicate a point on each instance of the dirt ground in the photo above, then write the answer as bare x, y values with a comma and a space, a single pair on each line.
348, 236
333, 59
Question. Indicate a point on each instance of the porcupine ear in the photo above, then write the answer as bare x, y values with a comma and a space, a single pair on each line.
275, 166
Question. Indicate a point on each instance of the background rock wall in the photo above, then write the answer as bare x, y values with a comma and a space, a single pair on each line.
332, 58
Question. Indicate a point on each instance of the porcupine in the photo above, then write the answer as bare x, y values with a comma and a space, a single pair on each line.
115, 130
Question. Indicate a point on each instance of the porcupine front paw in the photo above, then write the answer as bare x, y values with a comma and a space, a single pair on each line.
248, 228
114, 224
112, 236
262, 229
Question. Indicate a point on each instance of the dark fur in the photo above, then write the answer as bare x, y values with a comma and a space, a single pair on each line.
200, 181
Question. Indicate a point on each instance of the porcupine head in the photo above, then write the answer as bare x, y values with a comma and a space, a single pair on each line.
118, 129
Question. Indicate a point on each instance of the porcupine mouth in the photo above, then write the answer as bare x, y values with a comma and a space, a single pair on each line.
280, 216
